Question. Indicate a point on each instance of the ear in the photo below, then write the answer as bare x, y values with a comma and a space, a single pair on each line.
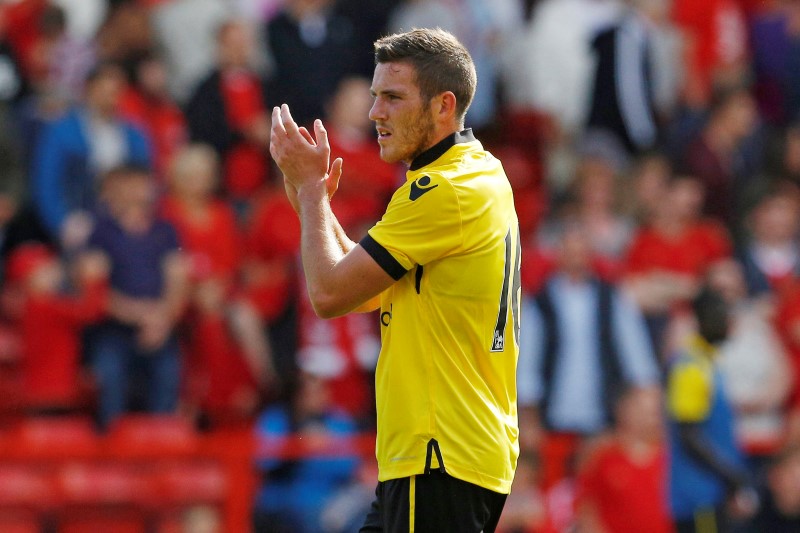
445, 106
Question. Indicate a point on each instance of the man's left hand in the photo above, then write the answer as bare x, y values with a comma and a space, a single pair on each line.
302, 159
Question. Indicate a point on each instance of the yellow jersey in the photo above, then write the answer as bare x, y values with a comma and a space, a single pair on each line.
446, 375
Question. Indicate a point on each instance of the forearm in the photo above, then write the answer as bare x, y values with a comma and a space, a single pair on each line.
323, 244
705, 452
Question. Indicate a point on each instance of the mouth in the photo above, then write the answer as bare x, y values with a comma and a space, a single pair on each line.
383, 134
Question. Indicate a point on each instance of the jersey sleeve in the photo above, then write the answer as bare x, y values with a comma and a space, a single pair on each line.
689, 393
417, 228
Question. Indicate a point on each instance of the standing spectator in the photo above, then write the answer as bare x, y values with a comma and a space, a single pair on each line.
547, 62
148, 104
185, 30
755, 366
669, 256
59, 61
770, 254
51, 322
723, 154
622, 486
226, 111
148, 282
76, 149
584, 339
313, 46
623, 97
706, 466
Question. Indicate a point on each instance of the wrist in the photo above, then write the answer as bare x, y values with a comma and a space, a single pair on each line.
312, 190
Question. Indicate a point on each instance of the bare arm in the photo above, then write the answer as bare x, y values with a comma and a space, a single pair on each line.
341, 277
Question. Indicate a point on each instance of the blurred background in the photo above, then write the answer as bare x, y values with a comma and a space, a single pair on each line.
162, 371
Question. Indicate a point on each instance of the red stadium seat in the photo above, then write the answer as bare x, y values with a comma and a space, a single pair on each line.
53, 436
187, 483
26, 486
103, 521
140, 434
19, 522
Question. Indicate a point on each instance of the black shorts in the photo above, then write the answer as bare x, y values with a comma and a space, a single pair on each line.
433, 503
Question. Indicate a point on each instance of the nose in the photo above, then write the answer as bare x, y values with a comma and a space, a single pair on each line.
376, 112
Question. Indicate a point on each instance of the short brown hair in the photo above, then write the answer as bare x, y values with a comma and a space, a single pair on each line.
441, 63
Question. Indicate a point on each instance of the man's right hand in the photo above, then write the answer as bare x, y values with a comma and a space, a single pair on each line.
331, 183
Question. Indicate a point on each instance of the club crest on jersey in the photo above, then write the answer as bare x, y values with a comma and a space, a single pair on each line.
420, 187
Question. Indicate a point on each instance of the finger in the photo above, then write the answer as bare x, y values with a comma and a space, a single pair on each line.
277, 123
288, 122
332, 182
322, 135
307, 135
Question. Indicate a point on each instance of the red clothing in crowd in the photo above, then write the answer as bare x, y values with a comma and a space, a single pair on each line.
690, 253
343, 351
271, 244
787, 323
213, 243
367, 184
161, 120
629, 496
21, 26
219, 380
50, 327
245, 164
718, 32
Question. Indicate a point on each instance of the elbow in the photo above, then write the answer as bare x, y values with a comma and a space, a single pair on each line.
326, 305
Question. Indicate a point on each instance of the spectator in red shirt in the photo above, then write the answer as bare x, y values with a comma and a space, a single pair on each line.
669, 256
211, 240
227, 111
147, 103
715, 33
206, 225
51, 322
369, 182
622, 486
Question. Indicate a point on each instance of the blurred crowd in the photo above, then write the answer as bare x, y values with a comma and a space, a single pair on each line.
150, 257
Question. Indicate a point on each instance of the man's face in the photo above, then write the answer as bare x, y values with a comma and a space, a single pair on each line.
403, 120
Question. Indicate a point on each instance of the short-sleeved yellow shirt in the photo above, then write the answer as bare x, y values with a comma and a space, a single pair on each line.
446, 375
690, 386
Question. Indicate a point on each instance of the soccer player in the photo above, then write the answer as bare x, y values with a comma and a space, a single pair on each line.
443, 266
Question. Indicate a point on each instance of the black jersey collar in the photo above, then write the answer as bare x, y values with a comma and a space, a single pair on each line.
437, 150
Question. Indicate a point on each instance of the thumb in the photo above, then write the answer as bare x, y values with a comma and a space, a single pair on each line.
332, 182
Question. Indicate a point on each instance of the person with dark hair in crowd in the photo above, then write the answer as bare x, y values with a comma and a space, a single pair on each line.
724, 154
148, 104
314, 45
73, 151
227, 111
709, 484
623, 100
149, 290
